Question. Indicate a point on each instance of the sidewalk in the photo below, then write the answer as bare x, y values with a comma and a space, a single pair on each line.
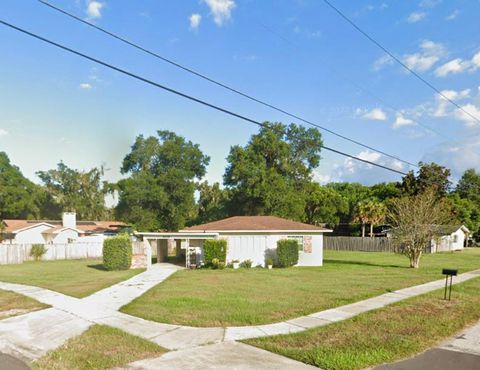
460, 352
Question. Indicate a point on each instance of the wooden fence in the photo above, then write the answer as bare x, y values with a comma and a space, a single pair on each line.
353, 243
18, 253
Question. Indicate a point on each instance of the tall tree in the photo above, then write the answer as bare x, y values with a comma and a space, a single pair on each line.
354, 193
429, 176
212, 202
19, 197
269, 175
415, 221
468, 186
324, 205
77, 191
467, 212
159, 194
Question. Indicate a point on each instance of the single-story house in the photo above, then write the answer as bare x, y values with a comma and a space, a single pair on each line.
248, 238
452, 238
62, 231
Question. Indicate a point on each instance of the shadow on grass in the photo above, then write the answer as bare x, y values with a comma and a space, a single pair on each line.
361, 263
98, 266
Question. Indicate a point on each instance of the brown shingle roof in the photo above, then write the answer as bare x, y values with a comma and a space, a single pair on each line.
255, 223
86, 226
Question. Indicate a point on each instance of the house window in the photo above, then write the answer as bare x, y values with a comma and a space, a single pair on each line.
299, 240
455, 238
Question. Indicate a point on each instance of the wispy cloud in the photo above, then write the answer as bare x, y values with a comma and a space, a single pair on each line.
401, 121
94, 9
459, 65
85, 86
3, 132
375, 114
416, 17
221, 10
195, 20
429, 54
453, 15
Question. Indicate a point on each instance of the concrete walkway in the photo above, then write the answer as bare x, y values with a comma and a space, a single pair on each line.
30, 336
459, 352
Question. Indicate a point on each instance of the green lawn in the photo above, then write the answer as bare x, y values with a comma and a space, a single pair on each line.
100, 347
12, 304
259, 296
77, 278
385, 335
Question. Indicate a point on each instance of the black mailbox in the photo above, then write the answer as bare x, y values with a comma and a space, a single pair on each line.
450, 272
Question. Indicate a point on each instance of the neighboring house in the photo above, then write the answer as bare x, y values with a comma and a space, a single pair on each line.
62, 231
248, 238
452, 238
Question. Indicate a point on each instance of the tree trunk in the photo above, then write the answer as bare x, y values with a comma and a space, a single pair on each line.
363, 230
371, 230
415, 259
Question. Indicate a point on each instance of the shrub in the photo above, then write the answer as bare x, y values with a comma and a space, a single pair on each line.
117, 253
214, 249
287, 252
247, 264
269, 261
37, 251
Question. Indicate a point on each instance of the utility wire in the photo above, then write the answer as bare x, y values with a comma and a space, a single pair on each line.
211, 80
353, 83
176, 92
375, 42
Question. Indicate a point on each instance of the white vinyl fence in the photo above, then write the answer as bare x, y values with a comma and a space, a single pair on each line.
18, 253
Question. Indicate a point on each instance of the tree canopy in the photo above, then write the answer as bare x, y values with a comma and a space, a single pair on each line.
159, 194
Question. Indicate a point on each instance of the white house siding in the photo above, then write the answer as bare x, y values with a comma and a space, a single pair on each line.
32, 235
258, 247
64, 237
452, 242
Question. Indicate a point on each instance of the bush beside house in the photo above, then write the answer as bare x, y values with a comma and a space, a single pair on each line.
37, 251
117, 253
214, 249
287, 252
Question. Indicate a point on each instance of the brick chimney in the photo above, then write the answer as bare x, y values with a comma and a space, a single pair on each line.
69, 219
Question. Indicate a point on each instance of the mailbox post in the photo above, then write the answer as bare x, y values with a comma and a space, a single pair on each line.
449, 273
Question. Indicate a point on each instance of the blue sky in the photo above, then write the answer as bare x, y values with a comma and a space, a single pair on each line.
297, 54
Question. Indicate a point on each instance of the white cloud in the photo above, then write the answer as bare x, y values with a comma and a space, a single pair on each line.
465, 114
401, 121
85, 86
94, 9
429, 3
376, 114
459, 65
352, 170
454, 66
383, 61
453, 15
221, 10
416, 17
441, 109
3, 132
429, 54
195, 20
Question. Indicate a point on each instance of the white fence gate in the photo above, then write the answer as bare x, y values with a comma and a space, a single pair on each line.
18, 253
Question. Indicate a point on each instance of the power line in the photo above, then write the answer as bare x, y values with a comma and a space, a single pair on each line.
179, 93
355, 84
375, 42
220, 84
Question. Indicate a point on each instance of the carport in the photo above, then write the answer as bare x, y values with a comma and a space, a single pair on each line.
188, 243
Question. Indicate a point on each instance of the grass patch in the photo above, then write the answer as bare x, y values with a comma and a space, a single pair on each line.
385, 335
259, 296
13, 304
77, 278
100, 347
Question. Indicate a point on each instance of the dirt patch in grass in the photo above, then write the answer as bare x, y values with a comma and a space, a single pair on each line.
385, 335
100, 347
260, 296
13, 304
77, 278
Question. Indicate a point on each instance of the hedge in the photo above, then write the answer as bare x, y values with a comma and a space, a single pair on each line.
214, 248
287, 252
117, 253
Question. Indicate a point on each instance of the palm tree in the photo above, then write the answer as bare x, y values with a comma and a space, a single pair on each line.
370, 212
